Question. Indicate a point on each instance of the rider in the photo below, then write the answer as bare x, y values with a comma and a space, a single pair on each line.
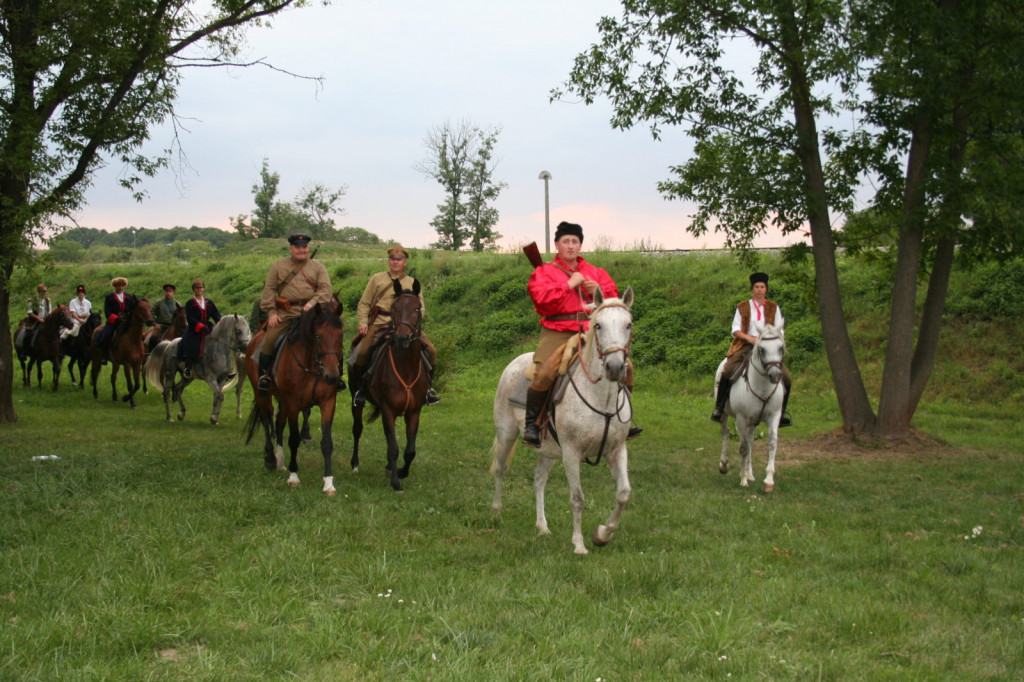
80, 308
200, 315
560, 290
294, 285
163, 311
747, 324
117, 307
39, 307
373, 314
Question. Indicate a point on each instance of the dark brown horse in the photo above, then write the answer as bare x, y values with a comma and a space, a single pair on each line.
308, 373
126, 350
396, 384
76, 348
42, 344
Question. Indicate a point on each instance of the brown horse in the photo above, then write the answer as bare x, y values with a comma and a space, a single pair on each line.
126, 350
308, 373
396, 383
42, 344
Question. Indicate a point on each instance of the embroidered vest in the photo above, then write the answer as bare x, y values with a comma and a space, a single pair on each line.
744, 307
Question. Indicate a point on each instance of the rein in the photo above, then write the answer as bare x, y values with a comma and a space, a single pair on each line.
763, 371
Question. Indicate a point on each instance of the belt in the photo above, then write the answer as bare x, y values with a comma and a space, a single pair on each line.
566, 317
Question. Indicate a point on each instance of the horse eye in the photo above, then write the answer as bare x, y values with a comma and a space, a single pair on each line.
597, 325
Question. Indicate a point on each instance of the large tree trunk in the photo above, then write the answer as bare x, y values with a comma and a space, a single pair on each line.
850, 391
931, 322
7, 414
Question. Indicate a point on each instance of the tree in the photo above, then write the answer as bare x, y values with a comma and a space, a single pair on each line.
81, 82
481, 192
264, 194
882, 93
460, 160
319, 203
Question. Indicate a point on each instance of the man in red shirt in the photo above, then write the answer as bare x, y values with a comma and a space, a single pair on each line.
560, 291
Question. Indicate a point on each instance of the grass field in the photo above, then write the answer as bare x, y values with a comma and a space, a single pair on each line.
156, 551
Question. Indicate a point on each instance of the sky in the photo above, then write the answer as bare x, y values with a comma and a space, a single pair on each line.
392, 70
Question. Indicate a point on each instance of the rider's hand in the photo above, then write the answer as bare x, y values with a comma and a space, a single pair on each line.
112, 319
575, 279
273, 320
363, 329
589, 285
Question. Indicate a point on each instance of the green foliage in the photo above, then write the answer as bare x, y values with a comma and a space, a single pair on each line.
992, 292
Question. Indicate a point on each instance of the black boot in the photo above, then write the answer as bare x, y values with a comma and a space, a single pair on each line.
634, 432
263, 384
723, 396
785, 420
355, 378
534, 404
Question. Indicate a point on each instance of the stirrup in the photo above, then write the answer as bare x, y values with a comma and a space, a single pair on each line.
432, 397
358, 400
263, 384
531, 437
716, 415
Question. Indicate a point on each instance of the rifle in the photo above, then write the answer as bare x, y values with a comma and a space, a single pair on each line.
533, 254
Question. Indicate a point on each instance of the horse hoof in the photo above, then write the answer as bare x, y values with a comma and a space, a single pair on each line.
602, 536
213, 420
724, 468
581, 550
331, 493
769, 488
170, 420
307, 441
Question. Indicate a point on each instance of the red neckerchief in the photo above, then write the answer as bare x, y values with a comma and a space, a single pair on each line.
758, 308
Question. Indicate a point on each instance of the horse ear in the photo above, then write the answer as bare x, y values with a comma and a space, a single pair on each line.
598, 297
398, 287
627, 298
416, 286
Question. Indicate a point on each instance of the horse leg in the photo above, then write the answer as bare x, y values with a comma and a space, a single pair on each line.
266, 414
307, 438
746, 432
327, 442
57, 367
132, 380
387, 420
571, 462
294, 438
412, 425
357, 432
723, 462
617, 463
540, 482
773, 442
218, 398
279, 437
71, 371
168, 394
114, 368
505, 435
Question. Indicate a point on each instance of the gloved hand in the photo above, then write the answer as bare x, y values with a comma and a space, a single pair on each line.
200, 328
112, 319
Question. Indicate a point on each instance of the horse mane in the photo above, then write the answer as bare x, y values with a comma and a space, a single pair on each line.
305, 330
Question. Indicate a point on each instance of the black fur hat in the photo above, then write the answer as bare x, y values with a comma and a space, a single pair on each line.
565, 228
758, 277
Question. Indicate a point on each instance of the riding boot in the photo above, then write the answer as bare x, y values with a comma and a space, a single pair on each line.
723, 396
534, 404
263, 384
355, 377
785, 420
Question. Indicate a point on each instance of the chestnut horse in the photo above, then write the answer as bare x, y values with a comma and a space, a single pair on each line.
126, 350
308, 373
396, 383
42, 344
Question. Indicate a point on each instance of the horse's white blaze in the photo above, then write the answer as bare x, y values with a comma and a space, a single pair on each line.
595, 400
754, 398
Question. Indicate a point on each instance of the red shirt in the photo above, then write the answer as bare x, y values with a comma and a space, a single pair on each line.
549, 289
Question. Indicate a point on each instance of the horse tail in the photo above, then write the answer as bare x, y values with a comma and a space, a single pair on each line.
155, 364
231, 382
495, 453
374, 413
252, 422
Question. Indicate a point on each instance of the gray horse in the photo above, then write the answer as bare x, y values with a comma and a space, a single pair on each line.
218, 367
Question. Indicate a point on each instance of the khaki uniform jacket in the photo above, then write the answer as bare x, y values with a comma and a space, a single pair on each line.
380, 292
281, 283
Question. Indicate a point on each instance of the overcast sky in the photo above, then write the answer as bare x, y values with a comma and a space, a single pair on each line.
392, 70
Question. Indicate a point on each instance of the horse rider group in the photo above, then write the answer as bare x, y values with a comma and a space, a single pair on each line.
561, 291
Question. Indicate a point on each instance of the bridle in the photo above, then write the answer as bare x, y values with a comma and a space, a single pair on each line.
762, 368
414, 329
602, 353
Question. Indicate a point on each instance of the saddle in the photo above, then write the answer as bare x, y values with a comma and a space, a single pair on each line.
570, 358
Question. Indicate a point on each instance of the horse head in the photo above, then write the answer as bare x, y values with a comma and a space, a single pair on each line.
63, 316
406, 314
611, 326
323, 332
237, 328
769, 349
143, 312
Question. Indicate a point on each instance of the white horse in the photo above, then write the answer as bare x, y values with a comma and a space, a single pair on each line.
218, 367
591, 421
755, 396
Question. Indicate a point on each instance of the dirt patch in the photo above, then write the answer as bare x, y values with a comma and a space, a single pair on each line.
841, 445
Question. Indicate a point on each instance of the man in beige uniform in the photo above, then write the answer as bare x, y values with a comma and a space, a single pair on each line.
376, 304
294, 285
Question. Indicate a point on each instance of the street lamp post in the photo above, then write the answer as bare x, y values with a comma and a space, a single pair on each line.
545, 176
